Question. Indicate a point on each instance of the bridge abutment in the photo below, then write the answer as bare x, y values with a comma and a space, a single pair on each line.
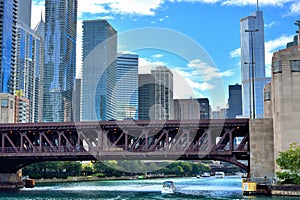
11, 181
262, 162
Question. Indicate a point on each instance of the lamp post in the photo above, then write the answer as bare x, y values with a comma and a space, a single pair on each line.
252, 71
250, 89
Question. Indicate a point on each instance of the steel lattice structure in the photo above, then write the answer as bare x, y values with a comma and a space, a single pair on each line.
224, 140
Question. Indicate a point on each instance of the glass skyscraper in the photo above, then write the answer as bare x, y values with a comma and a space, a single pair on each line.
40, 31
24, 11
253, 60
59, 60
127, 86
99, 71
8, 45
28, 78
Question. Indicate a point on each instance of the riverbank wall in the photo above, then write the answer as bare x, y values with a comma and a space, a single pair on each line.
285, 190
93, 178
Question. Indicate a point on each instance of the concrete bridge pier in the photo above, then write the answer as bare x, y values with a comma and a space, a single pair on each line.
11, 181
262, 161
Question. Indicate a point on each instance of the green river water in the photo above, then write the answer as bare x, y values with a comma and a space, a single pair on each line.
146, 189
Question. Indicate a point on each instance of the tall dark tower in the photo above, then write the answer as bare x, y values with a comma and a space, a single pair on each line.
235, 101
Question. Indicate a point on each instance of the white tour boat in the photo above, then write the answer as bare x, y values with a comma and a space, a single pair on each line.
168, 187
219, 174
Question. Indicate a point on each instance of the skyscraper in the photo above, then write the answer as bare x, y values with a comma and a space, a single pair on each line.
99, 71
235, 101
28, 67
8, 45
60, 59
164, 104
77, 100
185, 109
24, 12
40, 32
146, 97
253, 64
127, 86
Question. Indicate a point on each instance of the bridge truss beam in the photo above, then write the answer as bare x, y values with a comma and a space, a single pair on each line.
225, 140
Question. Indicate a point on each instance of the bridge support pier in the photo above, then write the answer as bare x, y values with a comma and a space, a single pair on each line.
262, 162
11, 181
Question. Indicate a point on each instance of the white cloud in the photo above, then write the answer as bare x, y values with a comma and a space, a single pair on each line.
197, 1
295, 8
157, 56
270, 24
208, 72
92, 6
149, 7
254, 2
184, 87
132, 7
146, 65
270, 47
138, 7
274, 45
235, 53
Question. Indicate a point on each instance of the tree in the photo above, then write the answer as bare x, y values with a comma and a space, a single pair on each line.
289, 162
178, 170
88, 168
72, 168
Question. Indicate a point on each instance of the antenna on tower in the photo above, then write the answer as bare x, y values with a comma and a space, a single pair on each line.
257, 6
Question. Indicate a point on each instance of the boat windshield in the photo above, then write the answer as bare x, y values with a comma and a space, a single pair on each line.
167, 184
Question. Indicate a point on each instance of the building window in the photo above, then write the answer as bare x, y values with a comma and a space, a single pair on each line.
4, 103
277, 67
295, 65
267, 96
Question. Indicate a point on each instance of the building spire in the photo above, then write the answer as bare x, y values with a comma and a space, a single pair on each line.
257, 6
41, 15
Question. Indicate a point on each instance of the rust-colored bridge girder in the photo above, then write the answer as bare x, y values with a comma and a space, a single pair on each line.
224, 140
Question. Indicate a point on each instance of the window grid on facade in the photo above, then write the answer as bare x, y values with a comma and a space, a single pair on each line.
295, 65
277, 67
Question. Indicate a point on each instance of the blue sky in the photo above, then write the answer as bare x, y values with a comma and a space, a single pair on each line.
198, 39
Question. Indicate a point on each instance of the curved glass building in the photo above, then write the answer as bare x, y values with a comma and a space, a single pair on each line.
59, 60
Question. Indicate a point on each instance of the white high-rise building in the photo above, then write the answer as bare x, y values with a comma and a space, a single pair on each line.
164, 104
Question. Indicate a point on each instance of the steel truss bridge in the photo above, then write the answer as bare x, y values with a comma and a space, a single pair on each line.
223, 140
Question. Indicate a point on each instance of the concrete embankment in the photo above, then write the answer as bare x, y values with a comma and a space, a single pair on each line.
79, 179
91, 178
285, 190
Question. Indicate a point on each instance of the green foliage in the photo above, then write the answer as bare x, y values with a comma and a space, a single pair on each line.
289, 162
178, 171
63, 169
99, 175
53, 169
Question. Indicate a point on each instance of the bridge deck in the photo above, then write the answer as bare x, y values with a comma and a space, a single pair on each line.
226, 140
